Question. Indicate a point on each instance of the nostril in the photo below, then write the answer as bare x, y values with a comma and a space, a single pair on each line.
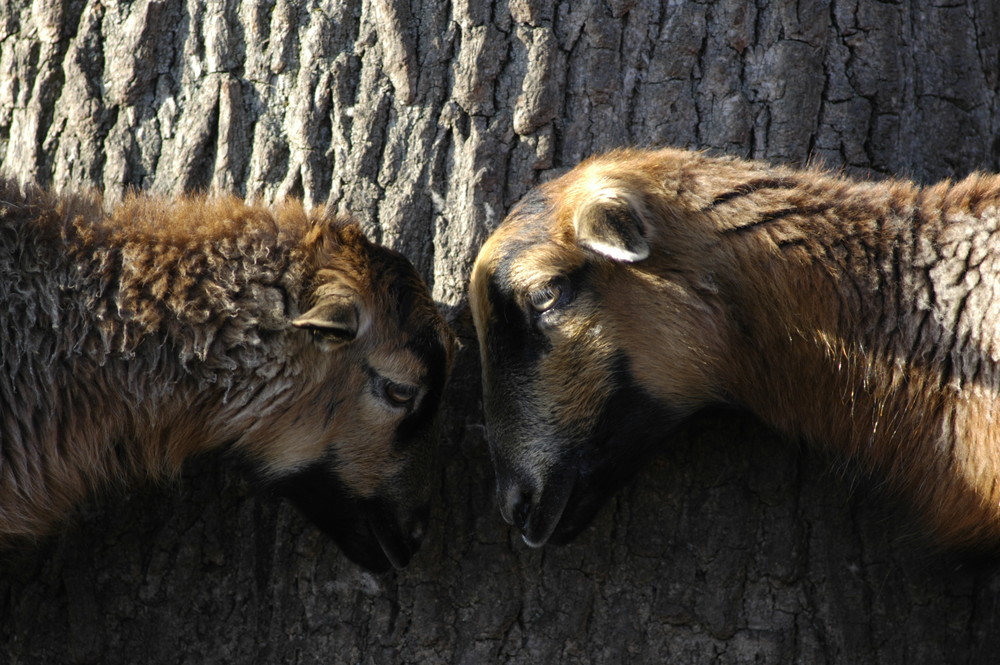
522, 508
515, 504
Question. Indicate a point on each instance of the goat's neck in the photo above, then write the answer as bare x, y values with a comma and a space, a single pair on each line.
860, 327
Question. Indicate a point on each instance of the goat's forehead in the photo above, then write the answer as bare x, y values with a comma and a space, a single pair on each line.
393, 288
524, 255
401, 365
412, 334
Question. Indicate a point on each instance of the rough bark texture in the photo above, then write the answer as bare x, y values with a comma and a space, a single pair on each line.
428, 119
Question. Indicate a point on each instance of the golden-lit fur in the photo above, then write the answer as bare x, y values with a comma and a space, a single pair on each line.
136, 337
865, 316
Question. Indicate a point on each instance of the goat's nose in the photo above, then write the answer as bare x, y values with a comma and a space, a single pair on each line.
515, 506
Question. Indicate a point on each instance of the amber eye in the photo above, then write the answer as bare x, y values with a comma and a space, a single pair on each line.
545, 298
400, 394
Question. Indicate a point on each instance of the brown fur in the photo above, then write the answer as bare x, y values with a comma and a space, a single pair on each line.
136, 337
862, 315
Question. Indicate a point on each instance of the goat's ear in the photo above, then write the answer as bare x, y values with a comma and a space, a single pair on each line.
335, 318
615, 224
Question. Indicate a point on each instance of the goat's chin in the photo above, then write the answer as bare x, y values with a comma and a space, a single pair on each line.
366, 530
576, 519
360, 545
396, 548
617, 457
581, 504
373, 540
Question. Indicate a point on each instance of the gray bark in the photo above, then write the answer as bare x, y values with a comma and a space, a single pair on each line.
428, 120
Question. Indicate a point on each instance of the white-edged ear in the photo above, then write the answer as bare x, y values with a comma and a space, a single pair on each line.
334, 317
613, 223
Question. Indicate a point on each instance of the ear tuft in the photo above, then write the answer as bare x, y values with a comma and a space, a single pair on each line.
333, 317
613, 224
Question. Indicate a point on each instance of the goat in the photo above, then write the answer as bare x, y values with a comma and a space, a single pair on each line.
135, 336
641, 286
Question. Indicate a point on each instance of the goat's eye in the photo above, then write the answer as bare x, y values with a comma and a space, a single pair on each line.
400, 394
556, 293
545, 298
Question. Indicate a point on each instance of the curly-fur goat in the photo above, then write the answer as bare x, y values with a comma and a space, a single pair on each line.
135, 336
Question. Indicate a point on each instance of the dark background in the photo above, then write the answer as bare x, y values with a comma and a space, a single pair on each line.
428, 119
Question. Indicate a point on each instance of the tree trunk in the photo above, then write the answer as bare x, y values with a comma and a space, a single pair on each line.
428, 119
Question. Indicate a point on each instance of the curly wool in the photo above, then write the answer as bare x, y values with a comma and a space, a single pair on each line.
123, 322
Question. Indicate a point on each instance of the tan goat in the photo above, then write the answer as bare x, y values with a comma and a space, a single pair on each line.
643, 285
134, 338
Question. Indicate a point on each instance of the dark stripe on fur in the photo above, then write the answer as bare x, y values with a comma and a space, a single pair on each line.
776, 215
751, 187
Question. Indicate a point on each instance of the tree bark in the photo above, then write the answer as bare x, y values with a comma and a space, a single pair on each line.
427, 120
